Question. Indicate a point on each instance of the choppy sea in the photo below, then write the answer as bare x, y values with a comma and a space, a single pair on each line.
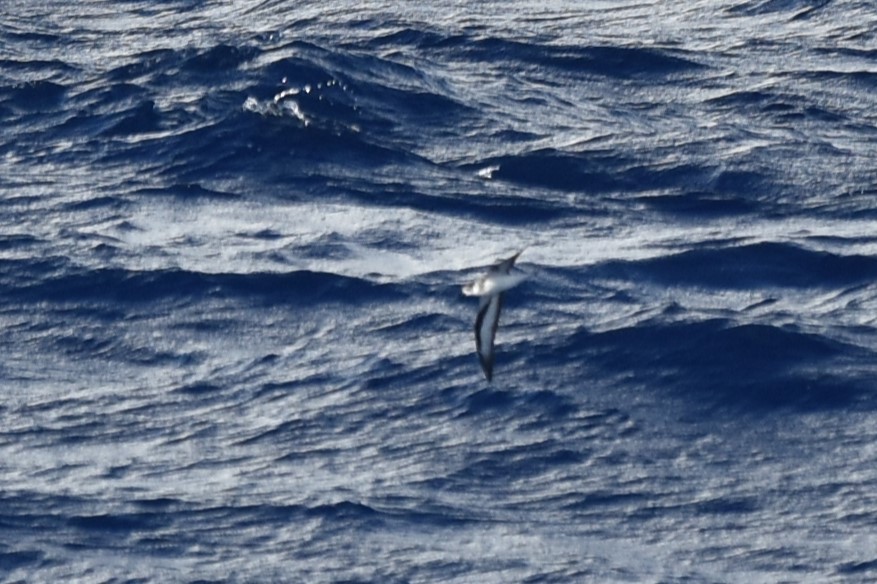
234, 346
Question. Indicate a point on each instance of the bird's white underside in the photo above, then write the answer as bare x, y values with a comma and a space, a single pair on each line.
492, 284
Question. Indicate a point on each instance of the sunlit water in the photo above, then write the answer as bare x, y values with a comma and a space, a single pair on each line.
235, 348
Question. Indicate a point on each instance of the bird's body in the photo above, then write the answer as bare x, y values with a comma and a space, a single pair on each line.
490, 288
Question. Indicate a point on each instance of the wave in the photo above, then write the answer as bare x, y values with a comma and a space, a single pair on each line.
55, 280
502, 208
685, 189
797, 9
34, 96
586, 172
783, 107
700, 361
750, 266
303, 111
603, 60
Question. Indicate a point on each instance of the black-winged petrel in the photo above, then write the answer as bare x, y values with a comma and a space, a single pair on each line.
489, 288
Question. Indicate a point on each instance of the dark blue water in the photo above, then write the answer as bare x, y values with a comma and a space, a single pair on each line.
234, 346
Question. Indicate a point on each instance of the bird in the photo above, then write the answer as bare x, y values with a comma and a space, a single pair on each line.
490, 288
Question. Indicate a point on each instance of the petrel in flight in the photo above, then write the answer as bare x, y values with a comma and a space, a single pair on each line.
489, 288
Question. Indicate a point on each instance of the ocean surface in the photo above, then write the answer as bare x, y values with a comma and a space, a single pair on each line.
234, 346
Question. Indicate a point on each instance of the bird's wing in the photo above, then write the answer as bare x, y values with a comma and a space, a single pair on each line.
505, 266
485, 331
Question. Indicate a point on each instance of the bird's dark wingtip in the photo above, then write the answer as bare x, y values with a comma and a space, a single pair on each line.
487, 367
